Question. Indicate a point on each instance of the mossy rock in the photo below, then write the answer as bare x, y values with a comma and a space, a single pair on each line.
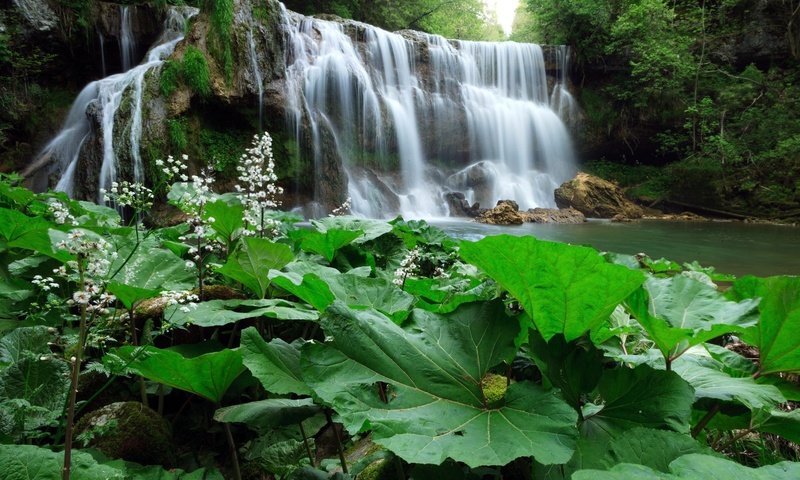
131, 431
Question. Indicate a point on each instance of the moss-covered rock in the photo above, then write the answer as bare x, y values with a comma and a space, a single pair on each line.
129, 430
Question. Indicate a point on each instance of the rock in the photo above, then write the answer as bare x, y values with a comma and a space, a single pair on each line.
458, 205
37, 14
131, 431
595, 197
505, 213
479, 178
554, 215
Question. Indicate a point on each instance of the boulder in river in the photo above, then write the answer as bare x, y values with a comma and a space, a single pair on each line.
554, 215
595, 197
505, 213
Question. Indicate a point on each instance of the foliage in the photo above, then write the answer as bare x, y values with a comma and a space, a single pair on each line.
170, 76
221, 12
488, 356
195, 71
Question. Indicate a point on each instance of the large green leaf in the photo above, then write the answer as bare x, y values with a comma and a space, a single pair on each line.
709, 380
227, 219
252, 261
776, 333
215, 313
640, 397
28, 462
435, 406
565, 289
309, 288
265, 415
207, 375
679, 312
42, 382
445, 295
275, 364
156, 269
695, 467
370, 229
325, 244
653, 448
24, 341
355, 291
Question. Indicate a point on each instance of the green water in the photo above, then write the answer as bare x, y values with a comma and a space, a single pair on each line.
731, 247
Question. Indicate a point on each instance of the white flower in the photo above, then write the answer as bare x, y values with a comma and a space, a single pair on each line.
81, 297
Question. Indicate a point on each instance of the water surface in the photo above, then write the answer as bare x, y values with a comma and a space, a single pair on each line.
730, 247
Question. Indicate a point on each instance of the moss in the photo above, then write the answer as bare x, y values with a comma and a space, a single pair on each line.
378, 470
222, 149
170, 76
494, 388
177, 131
141, 435
221, 12
195, 71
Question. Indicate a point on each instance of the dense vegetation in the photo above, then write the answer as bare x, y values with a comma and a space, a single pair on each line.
709, 87
371, 349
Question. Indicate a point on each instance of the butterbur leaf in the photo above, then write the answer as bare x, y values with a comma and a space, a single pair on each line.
430, 376
710, 381
653, 448
679, 312
776, 333
265, 415
41, 382
28, 462
227, 218
565, 289
640, 397
20, 342
215, 313
328, 243
694, 467
275, 364
252, 261
369, 229
309, 288
208, 376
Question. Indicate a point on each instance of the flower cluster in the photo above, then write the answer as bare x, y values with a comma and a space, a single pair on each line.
95, 256
44, 283
126, 194
193, 202
187, 299
257, 184
61, 213
343, 209
173, 167
408, 267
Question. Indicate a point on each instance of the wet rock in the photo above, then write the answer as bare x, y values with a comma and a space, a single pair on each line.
37, 14
595, 197
554, 215
458, 205
505, 213
478, 178
131, 431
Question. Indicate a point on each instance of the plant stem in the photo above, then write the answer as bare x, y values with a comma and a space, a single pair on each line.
308, 447
73, 387
704, 421
237, 473
339, 447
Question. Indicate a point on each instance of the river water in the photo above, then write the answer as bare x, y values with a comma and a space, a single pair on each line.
731, 247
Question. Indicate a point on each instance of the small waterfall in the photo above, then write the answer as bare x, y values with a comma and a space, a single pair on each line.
561, 100
474, 117
127, 42
64, 151
102, 52
251, 45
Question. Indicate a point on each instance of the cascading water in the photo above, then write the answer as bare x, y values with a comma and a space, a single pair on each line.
473, 117
127, 41
64, 151
561, 99
251, 50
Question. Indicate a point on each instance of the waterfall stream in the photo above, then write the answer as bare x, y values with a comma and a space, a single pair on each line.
427, 116
64, 151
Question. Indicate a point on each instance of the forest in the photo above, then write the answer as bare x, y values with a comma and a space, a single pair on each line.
191, 289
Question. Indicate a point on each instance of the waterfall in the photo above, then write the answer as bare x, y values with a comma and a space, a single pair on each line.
102, 52
127, 42
426, 116
251, 46
561, 99
63, 152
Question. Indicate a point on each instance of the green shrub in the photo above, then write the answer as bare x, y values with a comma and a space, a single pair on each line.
195, 71
176, 129
170, 76
221, 150
221, 12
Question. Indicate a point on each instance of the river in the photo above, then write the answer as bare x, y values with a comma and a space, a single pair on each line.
731, 247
